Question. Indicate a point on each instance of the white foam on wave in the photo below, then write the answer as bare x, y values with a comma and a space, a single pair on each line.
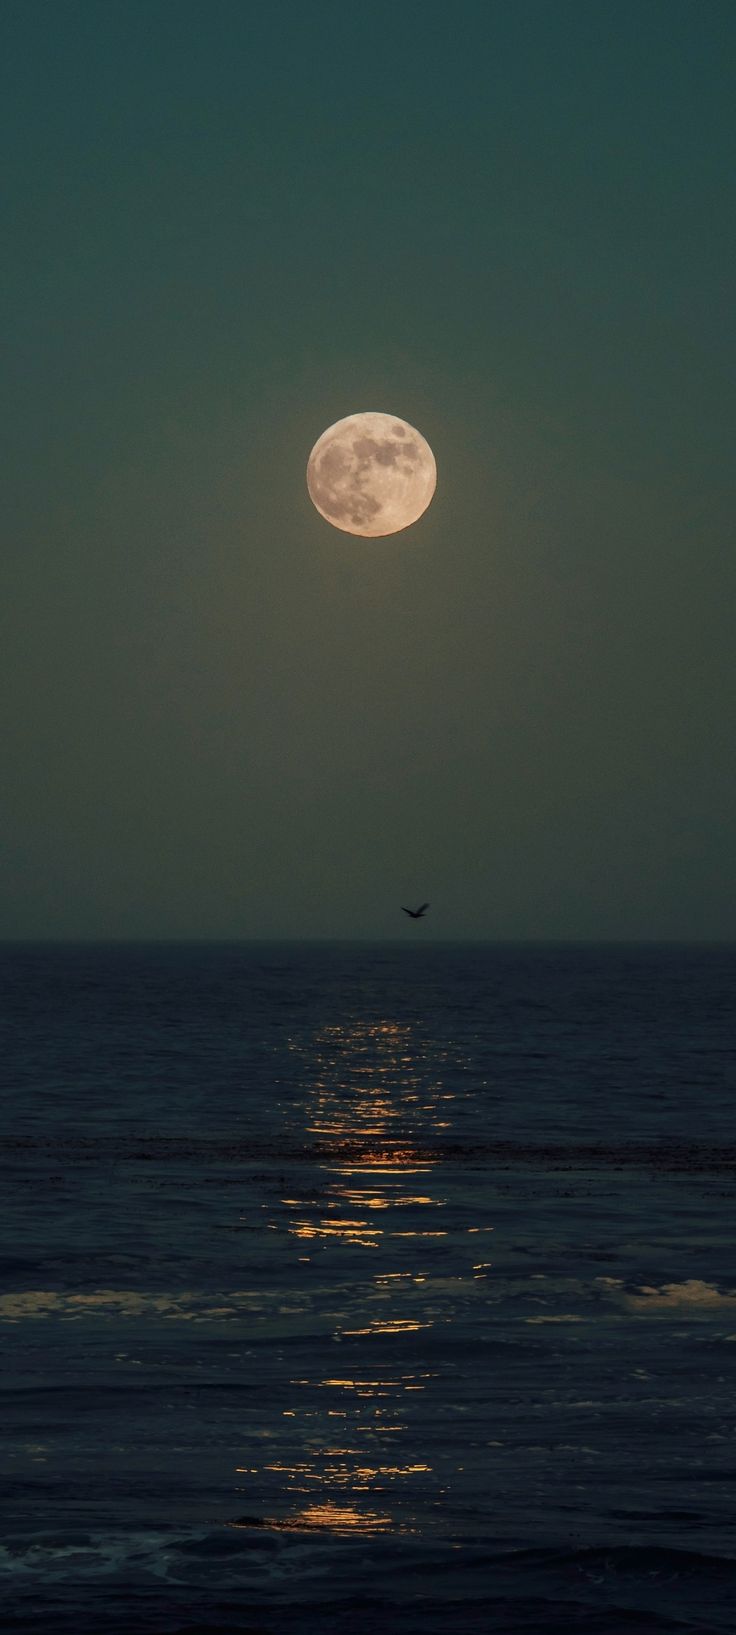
185, 1306
693, 1295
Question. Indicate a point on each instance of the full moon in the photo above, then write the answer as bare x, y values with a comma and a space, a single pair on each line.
371, 474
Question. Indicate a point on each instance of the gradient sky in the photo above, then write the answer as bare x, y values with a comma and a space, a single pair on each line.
225, 226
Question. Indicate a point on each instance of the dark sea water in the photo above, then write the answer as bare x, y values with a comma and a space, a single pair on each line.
356, 1288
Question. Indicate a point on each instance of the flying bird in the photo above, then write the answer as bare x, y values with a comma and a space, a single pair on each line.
415, 913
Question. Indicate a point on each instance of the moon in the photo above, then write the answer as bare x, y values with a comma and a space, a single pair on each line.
371, 474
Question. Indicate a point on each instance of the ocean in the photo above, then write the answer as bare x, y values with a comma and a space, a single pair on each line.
380, 1287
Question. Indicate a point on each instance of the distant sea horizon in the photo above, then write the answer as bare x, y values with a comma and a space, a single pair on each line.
194, 940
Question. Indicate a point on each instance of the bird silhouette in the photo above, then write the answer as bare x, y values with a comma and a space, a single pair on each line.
415, 913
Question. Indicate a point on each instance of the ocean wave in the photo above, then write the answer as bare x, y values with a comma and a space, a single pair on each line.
694, 1297
503, 1295
248, 1541
690, 1157
209, 1579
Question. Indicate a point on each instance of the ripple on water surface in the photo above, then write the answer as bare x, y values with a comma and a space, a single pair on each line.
369, 1285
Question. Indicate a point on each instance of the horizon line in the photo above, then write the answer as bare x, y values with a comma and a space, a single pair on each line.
398, 941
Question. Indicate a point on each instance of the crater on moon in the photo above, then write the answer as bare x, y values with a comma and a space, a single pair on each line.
371, 474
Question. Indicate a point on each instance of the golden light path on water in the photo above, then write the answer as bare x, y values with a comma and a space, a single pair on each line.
348, 1451
376, 1108
370, 1164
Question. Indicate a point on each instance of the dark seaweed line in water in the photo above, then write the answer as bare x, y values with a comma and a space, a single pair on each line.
689, 1157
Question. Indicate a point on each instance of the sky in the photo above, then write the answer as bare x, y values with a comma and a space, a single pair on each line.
227, 225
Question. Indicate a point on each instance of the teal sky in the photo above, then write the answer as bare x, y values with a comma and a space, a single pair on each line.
226, 226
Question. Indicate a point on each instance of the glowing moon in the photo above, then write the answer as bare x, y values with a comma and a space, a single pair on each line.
371, 474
